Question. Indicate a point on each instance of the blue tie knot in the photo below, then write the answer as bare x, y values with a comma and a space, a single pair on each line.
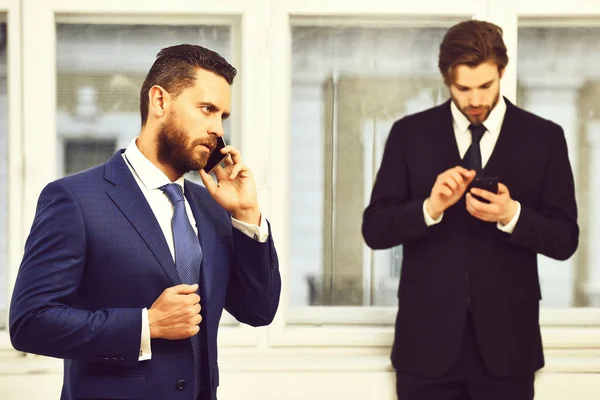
173, 191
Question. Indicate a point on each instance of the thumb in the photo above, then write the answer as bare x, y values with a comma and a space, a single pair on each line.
185, 289
502, 189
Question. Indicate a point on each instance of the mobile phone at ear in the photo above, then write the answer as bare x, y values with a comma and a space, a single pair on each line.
486, 183
216, 157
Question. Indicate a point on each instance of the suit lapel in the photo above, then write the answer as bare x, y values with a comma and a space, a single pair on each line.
131, 201
206, 231
509, 140
443, 135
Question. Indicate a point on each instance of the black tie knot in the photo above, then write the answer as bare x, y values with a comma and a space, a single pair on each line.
477, 132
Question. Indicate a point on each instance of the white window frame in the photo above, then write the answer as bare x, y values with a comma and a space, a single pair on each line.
337, 326
12, 10
39, 88
574, 332
571, 336
566, 332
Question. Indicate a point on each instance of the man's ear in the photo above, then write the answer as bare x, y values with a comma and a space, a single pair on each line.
159, 101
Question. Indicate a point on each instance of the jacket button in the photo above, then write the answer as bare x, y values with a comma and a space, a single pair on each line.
114, 359
181, 384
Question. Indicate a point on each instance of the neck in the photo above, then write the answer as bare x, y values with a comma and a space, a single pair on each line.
147, 145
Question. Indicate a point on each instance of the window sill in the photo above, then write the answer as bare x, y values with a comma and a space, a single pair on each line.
310, 360
343, 316
5, 344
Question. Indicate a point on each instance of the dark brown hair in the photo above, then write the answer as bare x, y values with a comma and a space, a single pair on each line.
175, 69
471, 43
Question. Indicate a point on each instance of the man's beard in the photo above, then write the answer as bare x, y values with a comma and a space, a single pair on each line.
173, 150
478, 119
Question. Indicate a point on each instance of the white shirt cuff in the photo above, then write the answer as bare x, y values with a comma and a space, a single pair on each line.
510, 227
145, 351
428, 220
260, 233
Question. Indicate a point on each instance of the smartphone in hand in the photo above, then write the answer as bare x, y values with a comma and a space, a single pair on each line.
216, 157
485, 183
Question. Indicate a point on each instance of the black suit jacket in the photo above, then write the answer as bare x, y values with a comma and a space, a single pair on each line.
462, 256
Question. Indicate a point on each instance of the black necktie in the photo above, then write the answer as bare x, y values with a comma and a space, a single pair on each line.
473, 155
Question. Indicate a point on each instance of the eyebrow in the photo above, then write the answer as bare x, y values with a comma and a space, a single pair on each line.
482, 85
212, 105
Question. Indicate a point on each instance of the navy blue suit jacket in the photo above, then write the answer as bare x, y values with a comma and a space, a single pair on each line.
96, 256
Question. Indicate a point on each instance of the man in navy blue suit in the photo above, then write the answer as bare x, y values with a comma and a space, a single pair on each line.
128, 267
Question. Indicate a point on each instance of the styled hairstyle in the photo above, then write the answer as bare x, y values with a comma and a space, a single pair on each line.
471, 43
175, 70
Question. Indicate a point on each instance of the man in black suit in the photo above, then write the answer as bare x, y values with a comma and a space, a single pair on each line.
468, 318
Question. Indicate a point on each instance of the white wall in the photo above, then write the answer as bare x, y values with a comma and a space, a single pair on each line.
284, 380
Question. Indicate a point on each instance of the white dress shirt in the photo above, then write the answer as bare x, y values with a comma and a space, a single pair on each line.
493, 125
150, 178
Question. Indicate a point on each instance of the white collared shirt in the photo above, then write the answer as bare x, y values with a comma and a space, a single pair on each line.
493, 125
150, 178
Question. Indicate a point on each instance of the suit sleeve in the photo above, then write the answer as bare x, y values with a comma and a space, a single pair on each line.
255, 283
42, 318
392, 217
552, 229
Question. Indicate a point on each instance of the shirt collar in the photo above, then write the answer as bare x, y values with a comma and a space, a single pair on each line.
493, 123
149, 174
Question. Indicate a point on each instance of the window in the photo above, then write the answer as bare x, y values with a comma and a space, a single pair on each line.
81, 154
349, 85
558, 79
100, 70
3, 177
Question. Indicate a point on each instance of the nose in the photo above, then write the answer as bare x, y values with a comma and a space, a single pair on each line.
217, 128
476, 98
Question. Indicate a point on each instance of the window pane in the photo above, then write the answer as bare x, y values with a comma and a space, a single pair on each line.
559, 79
349, 84
100, 70
3, 178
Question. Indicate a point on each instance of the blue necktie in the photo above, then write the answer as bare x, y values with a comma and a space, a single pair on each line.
188, 258
473, 155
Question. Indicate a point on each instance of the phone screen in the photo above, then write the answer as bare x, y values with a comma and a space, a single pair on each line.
486, 183
215, 157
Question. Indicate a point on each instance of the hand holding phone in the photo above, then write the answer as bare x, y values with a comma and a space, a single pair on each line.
233, 186
485, 183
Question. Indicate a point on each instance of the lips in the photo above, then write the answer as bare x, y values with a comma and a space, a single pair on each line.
209, 146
